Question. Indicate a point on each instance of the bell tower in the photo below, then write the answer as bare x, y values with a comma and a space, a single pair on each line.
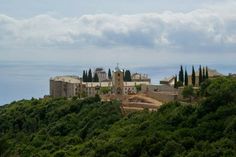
118, 80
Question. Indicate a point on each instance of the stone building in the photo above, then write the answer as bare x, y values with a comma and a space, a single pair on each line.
102, 75
118, 81
163, 92
168, 81
65, 86
138, 77
93, 88
69, 86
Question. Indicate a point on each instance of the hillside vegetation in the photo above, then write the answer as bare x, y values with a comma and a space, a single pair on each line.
61, 127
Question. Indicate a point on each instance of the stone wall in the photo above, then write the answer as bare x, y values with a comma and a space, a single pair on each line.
157, 88
163, 96
63, 89
55, 88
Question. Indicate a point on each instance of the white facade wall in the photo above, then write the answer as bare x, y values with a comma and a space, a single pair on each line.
102, 76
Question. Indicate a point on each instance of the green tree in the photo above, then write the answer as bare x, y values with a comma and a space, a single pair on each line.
172, 148
95, 78
218, 92
105, 90
123, 74
186, 78
203, 74
90, 127
138, 88
127, 76
109, 74
60, 153
200, 75
90, 76
193, 76
179, 84
3, 146
175, 83
207, 76
188, 92
181, 75
86, 76
83, 76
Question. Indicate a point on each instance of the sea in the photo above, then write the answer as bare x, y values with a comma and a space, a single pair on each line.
25, 80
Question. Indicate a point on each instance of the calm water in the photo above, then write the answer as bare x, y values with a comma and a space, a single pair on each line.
26, 80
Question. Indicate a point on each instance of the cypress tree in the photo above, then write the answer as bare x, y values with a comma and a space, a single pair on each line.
181, 75
86, 76
83, 76
90, 76
175, 84
127, 76
200, 75
186, 78
203, 74
95, 78
193, 76
207, 76
109, 74
124, 75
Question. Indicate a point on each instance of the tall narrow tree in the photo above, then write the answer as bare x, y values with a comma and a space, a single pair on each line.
109, 74
200, 75
86, 76
186, 78
83, 76
181, 75
207, 76
90, 76
124, 74
127, 76
193, 76
203, 74
175, 83
95, 78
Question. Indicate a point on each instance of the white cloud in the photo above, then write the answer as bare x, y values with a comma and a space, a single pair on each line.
204, 30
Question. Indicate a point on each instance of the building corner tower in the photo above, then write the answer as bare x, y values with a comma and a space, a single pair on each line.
118, 81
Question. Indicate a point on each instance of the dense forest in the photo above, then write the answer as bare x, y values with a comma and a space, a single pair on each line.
89, 127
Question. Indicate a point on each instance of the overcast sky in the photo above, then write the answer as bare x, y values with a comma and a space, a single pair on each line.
131, 32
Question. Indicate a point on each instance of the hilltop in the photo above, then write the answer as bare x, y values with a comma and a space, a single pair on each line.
88, 127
